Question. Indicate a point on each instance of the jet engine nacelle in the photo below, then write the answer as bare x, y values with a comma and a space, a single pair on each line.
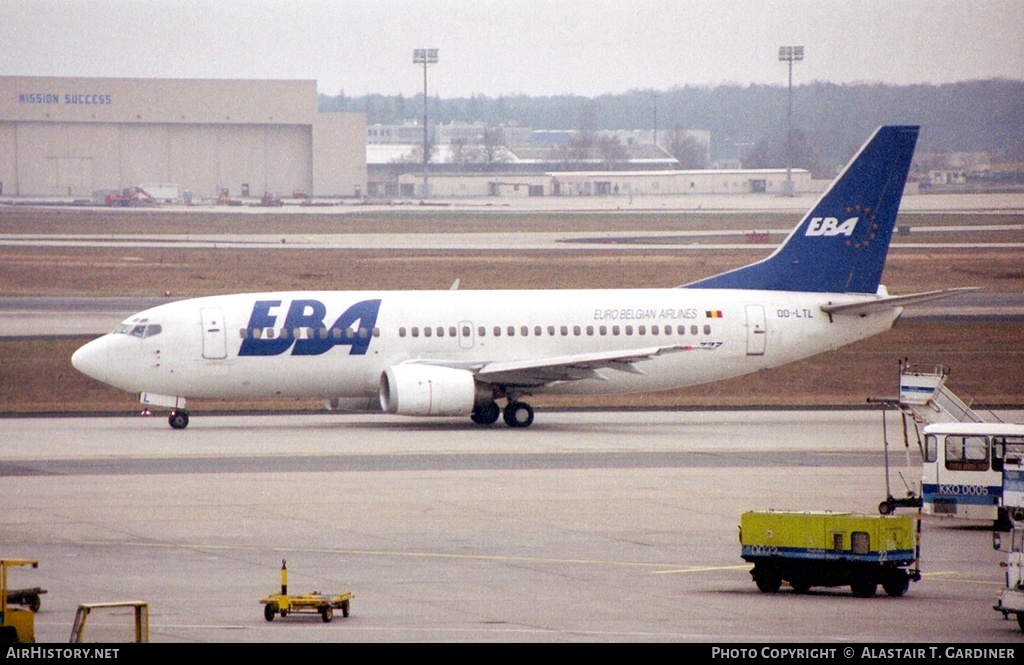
427, 390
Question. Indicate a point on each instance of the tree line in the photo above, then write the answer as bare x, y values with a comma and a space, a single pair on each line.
748, 122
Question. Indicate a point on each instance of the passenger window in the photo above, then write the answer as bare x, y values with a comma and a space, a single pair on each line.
336, 333
511, 331
497, 331
603, 330
363, 333
967, 453
576, 331
427, 331
693, 330
376, 331
564, 330
440, 331
642, 330
668, 330
682, 330
707, 329
537, 331
615, 330
524, 331
551, 330
466, 331
590, 331
451, 331
481, 332
629, 330
415, 331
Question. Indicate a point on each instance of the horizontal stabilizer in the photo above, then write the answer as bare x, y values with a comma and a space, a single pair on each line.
887, 303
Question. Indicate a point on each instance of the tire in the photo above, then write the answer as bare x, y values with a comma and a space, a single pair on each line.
178, 419
269, 611
344, 608
767, 581
885, 508
486, 414
327, 613
1020, 621
518, 414
800, 585
34, 603
896, 584
863, 587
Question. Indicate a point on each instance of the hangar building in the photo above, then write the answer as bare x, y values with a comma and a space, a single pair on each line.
75, 136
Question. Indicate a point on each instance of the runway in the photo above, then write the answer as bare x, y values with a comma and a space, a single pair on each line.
589, 526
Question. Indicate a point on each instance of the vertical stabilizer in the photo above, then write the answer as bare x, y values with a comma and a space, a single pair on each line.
841, 244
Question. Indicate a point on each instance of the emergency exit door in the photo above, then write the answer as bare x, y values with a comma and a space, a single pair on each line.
757, 332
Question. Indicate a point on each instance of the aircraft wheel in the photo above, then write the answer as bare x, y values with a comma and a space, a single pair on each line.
518, 414
486, 414
178, 419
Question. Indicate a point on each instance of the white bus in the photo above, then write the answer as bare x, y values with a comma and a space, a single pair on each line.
963, 468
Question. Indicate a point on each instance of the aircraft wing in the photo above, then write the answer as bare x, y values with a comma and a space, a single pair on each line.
889, 302
540, 371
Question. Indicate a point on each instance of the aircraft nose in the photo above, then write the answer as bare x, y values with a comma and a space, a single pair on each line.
91, 359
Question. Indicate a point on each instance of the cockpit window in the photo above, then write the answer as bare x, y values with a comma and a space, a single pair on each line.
138, 328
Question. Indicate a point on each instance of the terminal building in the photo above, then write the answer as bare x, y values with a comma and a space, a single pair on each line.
73, 137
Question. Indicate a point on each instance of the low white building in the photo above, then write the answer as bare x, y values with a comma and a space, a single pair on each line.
610, 183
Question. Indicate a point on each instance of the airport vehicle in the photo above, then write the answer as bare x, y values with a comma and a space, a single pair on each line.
457, 353
1012, 597
323, 604
140, 622
808, 549
962, 472
16, 625
26, 597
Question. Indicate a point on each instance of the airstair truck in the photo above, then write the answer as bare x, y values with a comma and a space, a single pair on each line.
807, 549
1011, 599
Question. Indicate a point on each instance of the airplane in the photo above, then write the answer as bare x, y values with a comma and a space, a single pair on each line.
459, 352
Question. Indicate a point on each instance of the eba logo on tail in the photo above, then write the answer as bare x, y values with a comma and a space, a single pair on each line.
830, 226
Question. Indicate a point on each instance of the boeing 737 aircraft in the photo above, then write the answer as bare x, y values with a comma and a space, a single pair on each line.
457, 353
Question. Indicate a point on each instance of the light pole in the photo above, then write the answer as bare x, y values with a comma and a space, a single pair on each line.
425, 56
790, 54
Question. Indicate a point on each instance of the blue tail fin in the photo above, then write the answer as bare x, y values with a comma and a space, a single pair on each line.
841, 244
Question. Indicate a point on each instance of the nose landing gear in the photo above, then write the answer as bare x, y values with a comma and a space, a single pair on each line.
178, 419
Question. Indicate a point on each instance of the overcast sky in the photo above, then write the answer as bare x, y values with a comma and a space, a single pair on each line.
506, 47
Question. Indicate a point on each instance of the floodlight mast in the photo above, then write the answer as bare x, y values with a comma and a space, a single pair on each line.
425, 57
790, 54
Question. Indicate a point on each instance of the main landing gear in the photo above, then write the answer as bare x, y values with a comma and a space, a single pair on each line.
178, 419
517, 414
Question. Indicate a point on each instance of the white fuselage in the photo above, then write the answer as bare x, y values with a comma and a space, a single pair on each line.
242, 346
